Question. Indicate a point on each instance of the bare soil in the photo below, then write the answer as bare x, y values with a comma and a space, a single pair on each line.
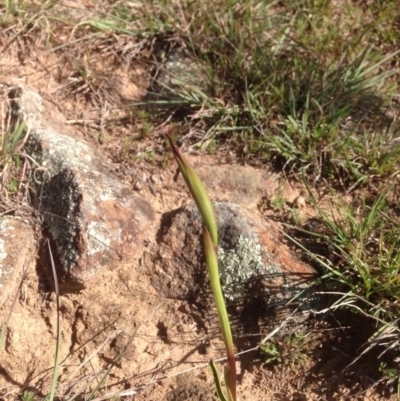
166, 340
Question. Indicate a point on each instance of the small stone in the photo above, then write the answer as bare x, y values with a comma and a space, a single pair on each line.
300, 202
17, 253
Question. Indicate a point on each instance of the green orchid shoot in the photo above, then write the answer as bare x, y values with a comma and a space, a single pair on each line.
197, 190
212, 263
210, 236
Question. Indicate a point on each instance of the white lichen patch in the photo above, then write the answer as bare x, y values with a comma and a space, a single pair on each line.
237, 266
63, 151
4, 227
98, 187
106, 194
30, 106
99, 237
3, 255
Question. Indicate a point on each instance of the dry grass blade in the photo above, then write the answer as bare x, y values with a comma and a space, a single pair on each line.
54, 382
119, 356
93, 354
153, 380
126, 393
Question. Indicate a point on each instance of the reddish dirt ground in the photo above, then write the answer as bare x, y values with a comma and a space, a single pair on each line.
167, 341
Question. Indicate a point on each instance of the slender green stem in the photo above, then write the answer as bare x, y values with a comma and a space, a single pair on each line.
212, 263
210, 235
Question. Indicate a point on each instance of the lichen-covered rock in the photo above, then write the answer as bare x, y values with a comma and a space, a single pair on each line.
254, 264
92, 219
180, 73
17, 248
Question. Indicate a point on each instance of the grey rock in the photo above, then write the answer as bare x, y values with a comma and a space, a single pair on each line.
254, 264
180, 73
17, 252
93, 220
